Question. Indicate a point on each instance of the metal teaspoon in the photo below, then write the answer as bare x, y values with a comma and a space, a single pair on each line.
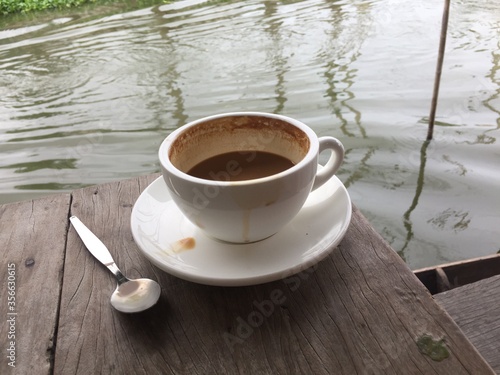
131, 295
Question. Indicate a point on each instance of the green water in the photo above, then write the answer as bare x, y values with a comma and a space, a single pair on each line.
87, 95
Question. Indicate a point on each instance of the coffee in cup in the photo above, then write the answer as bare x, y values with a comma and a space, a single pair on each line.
240, 177
249, 165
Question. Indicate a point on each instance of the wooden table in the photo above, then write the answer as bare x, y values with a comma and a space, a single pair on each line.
360, 311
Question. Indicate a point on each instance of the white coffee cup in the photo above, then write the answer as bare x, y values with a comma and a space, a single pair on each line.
254, 209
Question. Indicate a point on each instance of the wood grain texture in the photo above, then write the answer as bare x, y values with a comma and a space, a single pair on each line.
92, 336
33, 240
360, 311
476, 310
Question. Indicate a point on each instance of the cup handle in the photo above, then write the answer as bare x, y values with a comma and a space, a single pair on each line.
333, 164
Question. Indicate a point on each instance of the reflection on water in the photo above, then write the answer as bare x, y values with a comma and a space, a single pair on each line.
420, 186
86, 96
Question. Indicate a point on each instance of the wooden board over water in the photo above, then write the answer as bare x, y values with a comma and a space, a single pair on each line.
475, 308
452, 275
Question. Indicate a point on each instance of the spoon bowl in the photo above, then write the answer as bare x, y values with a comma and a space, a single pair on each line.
131, 295
135, 295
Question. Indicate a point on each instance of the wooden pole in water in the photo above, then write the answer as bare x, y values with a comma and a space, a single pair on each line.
439, 68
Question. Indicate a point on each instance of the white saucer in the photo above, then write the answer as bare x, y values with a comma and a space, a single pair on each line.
159, 228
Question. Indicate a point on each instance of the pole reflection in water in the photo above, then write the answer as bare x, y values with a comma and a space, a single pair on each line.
420, 186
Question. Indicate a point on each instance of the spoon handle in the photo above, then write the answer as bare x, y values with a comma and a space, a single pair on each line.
96, 248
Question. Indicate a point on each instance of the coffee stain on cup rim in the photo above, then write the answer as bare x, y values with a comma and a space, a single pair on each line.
260, 125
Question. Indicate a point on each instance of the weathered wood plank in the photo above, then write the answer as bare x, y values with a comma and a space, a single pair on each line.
93, 338
33, 240
476, 310
459, 273
359, 311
